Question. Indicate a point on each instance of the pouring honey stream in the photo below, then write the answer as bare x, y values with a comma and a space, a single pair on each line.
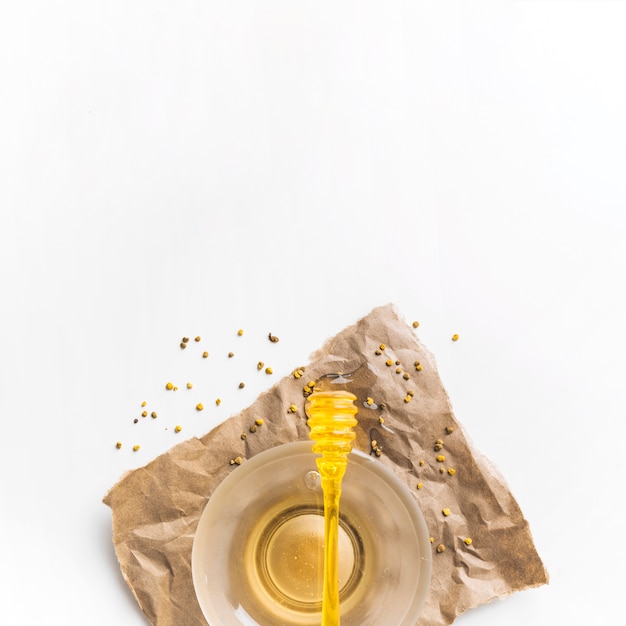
331, 417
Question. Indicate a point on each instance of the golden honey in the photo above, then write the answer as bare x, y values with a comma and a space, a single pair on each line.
331, 420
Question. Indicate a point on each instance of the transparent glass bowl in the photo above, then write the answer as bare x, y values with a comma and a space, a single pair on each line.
257, 555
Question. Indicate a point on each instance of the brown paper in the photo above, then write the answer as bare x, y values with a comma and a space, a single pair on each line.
156, 508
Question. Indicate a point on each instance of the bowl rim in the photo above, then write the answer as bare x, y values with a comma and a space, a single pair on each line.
304, 448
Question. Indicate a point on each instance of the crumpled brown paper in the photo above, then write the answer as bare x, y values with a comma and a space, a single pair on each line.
156, 508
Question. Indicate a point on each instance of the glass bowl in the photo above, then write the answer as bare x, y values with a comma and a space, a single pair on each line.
257, 556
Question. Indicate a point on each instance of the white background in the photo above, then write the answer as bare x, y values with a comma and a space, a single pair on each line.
195, 167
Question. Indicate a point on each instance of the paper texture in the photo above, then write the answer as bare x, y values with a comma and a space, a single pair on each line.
156, 508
